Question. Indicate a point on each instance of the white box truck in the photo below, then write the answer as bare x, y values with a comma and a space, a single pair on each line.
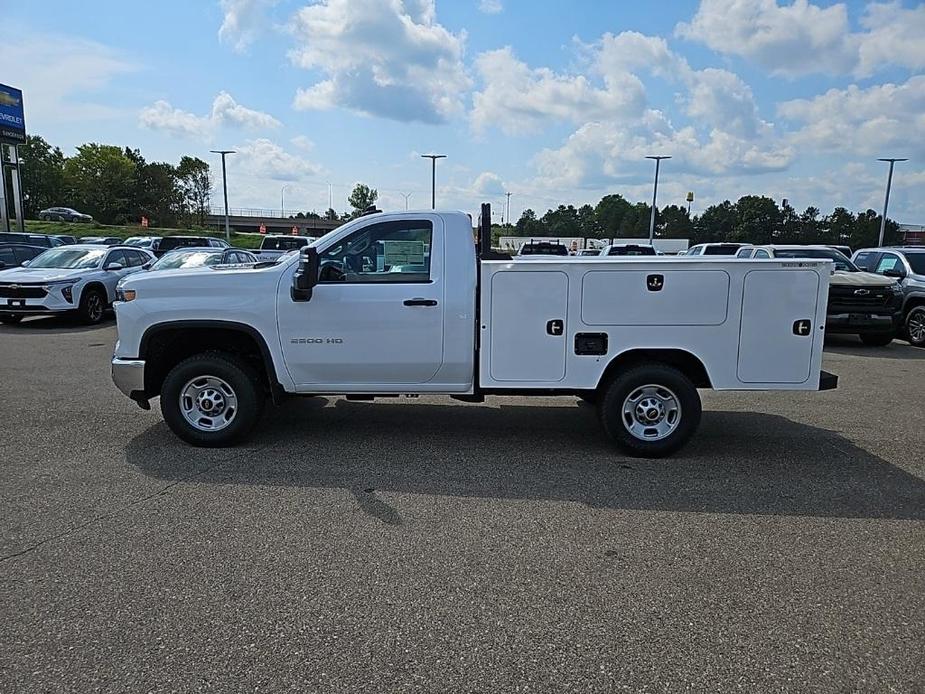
409, 303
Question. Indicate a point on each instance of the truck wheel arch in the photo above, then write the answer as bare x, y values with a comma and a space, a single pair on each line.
685, 362
164, 345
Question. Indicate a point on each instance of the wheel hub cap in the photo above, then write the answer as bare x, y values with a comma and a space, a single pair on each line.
208, 403
651, 412
916, 326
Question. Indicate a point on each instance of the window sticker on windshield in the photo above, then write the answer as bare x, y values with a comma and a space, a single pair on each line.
403, 252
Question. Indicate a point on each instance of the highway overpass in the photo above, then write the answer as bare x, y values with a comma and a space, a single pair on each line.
249, 221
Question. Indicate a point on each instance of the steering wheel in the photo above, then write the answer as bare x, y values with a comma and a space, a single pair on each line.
332, 271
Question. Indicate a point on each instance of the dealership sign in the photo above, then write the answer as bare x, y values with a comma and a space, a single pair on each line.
12, 120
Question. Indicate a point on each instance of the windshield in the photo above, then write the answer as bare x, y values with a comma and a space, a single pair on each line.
172, 261
632, 250
69, 258
841, 262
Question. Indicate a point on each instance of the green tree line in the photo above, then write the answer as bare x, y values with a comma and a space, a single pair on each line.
754, 219
114, 184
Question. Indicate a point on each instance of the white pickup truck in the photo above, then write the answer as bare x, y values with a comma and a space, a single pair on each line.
407, 303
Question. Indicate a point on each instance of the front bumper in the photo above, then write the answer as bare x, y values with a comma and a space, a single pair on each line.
52, 302
129, 377
862, 322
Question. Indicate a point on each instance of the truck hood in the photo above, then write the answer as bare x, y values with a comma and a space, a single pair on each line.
860, 279
28, 275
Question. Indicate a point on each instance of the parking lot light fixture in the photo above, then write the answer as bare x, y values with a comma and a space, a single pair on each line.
886, 198
658, 160
224, 152
433, 177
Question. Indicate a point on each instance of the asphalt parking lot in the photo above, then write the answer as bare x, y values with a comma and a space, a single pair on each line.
418, 546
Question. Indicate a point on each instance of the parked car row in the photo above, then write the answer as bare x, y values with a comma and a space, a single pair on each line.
83, 279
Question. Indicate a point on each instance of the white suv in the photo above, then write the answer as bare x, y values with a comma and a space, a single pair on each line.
79, 278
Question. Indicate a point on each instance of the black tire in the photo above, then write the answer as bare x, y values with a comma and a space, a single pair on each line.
663, 378
10, 319
92, 306
43, 217
915, 326
237, 374
876, 339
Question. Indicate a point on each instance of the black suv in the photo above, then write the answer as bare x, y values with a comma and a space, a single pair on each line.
30, 239
170, 243
543, 248
14, 254
907, 266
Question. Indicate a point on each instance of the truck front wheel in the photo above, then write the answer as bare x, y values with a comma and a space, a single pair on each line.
212, 399
650, 411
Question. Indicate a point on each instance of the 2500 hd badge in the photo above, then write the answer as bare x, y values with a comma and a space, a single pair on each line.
316, 341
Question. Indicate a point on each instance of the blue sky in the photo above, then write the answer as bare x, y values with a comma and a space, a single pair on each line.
555, 102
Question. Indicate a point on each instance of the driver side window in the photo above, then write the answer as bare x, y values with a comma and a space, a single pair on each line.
386, 252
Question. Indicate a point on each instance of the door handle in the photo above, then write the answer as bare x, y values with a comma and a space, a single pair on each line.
420, 302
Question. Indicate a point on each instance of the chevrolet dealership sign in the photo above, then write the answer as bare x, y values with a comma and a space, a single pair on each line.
12, 119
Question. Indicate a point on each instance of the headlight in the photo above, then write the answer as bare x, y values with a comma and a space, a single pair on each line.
896, 288
66, 287
125, 294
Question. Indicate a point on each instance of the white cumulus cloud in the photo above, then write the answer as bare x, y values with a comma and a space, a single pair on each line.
801, 38
161, 115
243, 21
880, 120
490, 6
385, 58
263, 158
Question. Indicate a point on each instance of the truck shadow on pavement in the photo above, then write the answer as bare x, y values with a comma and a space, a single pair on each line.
739, 462
852, 346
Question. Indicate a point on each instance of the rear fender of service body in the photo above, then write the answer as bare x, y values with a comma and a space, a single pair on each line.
753, 325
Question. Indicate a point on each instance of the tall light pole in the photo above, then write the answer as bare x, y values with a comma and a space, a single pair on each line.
282, 192
224, 152
433, 177
508, 195
886, 198
658, 160
406, 196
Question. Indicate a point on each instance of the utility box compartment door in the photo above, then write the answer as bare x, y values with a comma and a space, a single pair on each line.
775, 344
527, 343
655, 296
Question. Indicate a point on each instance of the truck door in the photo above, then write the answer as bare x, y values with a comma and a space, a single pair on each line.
375, 318
778, 327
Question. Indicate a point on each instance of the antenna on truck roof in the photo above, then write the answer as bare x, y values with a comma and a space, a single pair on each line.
484, 241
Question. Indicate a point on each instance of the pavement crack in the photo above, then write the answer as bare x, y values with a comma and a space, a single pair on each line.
136, 502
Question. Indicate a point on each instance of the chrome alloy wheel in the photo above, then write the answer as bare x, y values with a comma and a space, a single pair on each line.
208, 403
915, 325
94, 307
651, 412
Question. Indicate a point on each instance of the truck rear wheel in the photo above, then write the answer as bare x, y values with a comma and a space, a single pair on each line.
212, 399
650, 411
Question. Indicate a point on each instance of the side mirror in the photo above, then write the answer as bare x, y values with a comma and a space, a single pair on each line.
896, 273
306, 276
113, 266
25, 263
147, 266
